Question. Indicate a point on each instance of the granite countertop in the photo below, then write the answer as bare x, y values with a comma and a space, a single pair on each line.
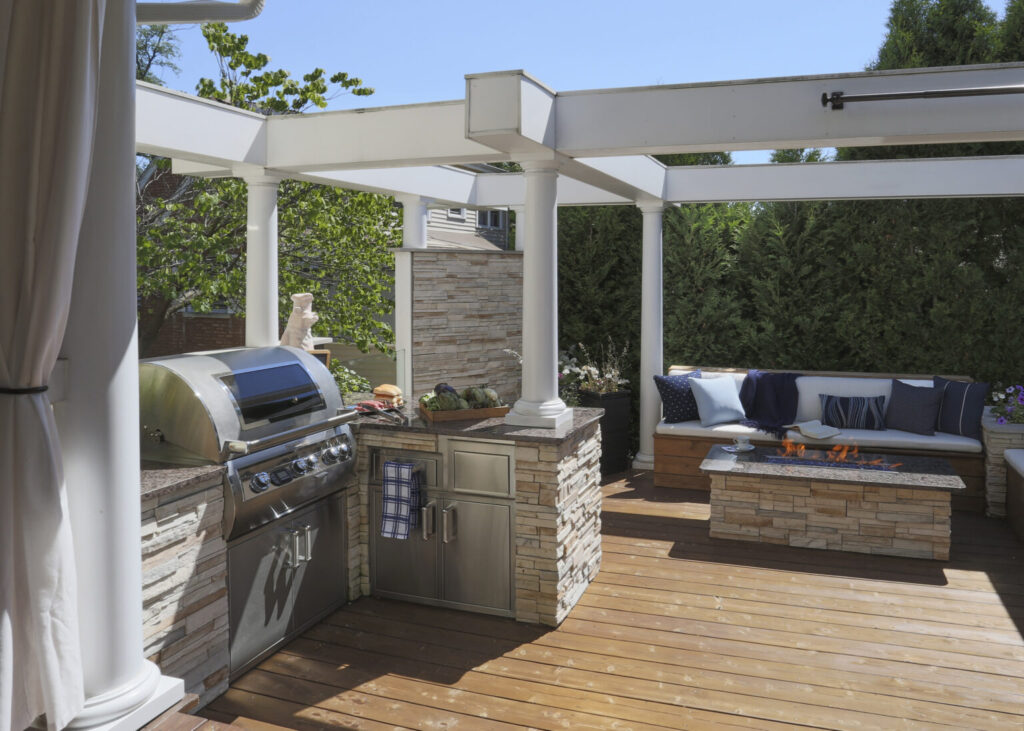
159, 479
493, 428
926, 473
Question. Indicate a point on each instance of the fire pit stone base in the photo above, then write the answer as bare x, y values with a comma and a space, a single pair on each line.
892, 521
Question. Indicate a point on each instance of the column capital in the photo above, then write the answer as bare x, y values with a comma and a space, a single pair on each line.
411, 199
651, 206
539, 166
255, 175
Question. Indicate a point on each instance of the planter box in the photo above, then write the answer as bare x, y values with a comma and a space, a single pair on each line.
998, 438
615, 434
462, 414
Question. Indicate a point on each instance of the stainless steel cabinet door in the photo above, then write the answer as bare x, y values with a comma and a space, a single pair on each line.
261, 576
321, 581
475, 563
404, 568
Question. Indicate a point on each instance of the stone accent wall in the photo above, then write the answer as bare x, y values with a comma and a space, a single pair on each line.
893, 521
467, 308
558, 525
184, 587
997, 439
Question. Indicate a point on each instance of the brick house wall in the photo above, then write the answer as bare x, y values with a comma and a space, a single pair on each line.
187, 333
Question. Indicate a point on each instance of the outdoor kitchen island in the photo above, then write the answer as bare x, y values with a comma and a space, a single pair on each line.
549, 513
892, 505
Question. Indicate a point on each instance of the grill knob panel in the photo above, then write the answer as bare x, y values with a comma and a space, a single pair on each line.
259, 482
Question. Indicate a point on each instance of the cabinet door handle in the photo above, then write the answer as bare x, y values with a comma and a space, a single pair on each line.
445, 523
307, 532
294, 554
427, 516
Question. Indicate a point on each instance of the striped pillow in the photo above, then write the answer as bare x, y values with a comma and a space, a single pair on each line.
853, 412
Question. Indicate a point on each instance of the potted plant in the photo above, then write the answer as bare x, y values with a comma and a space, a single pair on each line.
598, 382
1002, 428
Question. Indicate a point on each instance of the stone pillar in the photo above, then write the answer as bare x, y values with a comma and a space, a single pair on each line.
540, 405
520, 239
414, 236
98, 420
261, 319
414, 221
651, 353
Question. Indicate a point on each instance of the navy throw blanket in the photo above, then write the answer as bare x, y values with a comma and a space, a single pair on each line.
769, 400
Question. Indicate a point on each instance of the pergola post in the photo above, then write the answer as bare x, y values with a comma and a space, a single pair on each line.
261, 287
98, 420
414, 236
540, 405
651, 346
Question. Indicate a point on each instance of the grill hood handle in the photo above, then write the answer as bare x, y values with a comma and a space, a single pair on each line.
235, 447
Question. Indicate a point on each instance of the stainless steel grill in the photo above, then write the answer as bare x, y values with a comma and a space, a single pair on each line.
275, 419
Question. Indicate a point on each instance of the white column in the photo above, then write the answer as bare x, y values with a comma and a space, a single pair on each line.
414, 221
520, 238
261, 320
540, 405
403, 322
99, 419
651, 346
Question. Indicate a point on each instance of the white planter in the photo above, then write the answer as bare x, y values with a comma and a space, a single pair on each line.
998, 438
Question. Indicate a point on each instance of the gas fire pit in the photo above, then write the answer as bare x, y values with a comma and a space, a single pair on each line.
837, 499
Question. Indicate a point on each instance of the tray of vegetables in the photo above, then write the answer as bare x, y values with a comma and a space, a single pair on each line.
445, 403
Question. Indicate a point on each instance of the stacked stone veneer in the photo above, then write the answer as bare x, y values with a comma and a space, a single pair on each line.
892, 521
557, 525
467, 309
557, 518
997, 439
184, 587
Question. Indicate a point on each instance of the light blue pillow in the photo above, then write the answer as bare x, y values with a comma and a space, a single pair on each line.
718, 400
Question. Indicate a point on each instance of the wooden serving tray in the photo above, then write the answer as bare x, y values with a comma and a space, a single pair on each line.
462, 414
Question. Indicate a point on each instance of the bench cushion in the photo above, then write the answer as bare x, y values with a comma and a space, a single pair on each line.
1015, 460
865, 439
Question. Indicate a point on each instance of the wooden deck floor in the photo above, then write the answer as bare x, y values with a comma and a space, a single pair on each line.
680, 631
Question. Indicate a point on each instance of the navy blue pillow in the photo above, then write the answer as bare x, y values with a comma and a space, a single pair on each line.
853, 412
913, 408
962, 406
677, 401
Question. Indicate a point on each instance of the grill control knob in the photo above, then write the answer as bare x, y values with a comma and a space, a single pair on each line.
345, 451
301, 466
331, 455
259, 482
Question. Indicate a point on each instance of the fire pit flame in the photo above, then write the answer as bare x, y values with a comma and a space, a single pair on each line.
847, 455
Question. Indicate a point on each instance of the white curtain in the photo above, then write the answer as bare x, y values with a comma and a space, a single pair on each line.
49, 73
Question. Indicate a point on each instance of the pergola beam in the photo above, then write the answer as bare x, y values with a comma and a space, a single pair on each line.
965, 177
786, 113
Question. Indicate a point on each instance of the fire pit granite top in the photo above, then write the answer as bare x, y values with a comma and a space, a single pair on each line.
897, 470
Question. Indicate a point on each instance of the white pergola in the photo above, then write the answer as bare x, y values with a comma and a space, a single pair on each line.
577, 148
589, 148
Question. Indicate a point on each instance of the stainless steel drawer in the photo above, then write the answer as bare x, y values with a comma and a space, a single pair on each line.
481, 468
430, 461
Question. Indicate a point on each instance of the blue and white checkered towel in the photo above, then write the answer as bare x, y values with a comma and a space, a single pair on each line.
401, 510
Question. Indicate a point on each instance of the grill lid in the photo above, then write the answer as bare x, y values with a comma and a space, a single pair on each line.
193, 405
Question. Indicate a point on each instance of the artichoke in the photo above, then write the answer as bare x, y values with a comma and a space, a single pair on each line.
491, 397
463, 403
475, 396
447, 401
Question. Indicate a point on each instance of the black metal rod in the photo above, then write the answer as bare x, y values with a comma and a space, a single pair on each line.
837, 99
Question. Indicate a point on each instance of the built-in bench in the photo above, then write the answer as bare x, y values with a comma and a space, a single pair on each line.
680, 448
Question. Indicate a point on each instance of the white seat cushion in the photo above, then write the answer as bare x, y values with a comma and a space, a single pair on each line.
1015, 460
865, 439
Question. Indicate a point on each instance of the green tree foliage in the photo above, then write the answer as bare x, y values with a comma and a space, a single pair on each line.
156, 47
191, 231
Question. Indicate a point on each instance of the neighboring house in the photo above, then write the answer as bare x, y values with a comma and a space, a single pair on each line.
463, 228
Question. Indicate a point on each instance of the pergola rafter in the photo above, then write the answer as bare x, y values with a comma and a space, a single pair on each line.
592, 148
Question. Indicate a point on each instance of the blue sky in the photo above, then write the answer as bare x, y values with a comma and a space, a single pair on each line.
414, 52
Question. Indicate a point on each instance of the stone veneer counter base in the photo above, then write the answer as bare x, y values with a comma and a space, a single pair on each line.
900, 512
557, 528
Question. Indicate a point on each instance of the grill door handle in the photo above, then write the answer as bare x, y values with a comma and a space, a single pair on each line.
294, 556
307, 532
453, 522
428, 514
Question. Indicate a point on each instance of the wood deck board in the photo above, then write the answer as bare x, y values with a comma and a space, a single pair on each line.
680, 631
